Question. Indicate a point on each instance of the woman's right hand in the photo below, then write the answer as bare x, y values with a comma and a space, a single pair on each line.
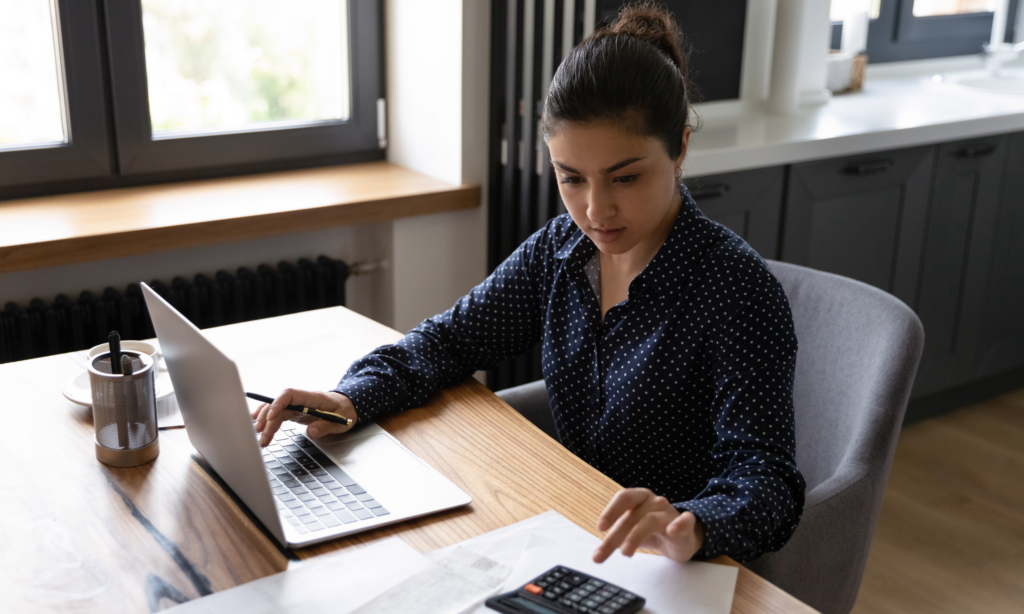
269, 416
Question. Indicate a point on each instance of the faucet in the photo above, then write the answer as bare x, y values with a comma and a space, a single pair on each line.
996, 55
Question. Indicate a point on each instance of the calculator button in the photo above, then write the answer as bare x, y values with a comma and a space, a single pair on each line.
567, 602
576, 579
542, 583
533, 588
590, 603
595, 583
564, 586
627, 595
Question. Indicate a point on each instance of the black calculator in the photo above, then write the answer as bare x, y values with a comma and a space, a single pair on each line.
561, 590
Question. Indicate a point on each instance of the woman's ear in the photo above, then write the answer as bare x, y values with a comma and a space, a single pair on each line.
686, 144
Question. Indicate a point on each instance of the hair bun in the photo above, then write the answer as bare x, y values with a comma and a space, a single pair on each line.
652, 23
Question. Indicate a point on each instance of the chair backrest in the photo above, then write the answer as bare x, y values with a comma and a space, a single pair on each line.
858, 353
859, 349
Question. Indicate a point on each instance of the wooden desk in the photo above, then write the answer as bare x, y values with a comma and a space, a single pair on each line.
77, 536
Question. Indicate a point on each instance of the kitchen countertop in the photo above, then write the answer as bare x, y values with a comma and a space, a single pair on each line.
900, 106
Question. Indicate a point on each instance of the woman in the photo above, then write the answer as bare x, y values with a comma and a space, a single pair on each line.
668, 346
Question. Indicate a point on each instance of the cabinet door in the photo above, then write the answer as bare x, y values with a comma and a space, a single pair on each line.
956, 258
747, 202
861, 217
1003, 322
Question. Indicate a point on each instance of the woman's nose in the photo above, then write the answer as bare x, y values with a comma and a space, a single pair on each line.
601, 206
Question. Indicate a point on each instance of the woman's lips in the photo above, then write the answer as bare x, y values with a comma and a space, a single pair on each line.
607, 235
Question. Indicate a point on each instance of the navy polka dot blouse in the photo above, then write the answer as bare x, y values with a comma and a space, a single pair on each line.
685, 388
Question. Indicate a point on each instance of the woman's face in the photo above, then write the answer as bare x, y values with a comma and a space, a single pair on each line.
619, 187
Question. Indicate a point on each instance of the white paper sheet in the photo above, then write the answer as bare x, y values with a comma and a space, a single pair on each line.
336, 584
506, 545
457, 582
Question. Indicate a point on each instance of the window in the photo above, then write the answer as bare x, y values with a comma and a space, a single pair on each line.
148, 90
32, 112
53, 124
917, 29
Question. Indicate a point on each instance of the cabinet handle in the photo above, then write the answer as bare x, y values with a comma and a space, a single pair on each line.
717, 190
975, 151
869, 168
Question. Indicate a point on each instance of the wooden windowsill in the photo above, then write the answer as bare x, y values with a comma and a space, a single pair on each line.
71, 228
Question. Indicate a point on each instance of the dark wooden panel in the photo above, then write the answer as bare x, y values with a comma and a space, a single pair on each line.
748, 202
1003, 322
861, 217
957, 254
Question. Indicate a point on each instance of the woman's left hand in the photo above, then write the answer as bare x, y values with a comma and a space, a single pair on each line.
637, 518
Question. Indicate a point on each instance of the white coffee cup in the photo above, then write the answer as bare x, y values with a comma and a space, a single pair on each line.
142, 347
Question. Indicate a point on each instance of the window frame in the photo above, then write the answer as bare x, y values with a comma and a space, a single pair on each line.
139, 153
87, 153
897, 35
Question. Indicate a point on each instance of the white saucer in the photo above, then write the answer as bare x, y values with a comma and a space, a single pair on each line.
78, 390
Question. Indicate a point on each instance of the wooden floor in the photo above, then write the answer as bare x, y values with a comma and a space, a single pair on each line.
951, 534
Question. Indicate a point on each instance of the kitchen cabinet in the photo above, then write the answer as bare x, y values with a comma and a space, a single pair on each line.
1003, 320
861, 216
957, 255
747, 202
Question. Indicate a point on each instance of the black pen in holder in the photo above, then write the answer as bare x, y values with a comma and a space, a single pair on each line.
124, 410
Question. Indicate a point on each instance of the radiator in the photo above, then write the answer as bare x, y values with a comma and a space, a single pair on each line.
66, 325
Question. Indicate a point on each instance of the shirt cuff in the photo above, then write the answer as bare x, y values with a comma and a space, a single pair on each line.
716, 527
369, 395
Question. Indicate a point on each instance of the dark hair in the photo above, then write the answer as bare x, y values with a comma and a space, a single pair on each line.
633, 71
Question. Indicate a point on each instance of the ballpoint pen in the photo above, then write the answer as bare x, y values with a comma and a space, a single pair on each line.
309, 411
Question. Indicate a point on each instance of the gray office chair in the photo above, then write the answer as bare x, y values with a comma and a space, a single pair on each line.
859, 349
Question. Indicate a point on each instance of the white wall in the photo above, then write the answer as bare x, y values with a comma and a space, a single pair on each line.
437, 91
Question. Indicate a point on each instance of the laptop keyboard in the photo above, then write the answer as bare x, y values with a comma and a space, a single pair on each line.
312, 493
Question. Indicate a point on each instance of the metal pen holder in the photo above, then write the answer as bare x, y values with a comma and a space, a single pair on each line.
124, 411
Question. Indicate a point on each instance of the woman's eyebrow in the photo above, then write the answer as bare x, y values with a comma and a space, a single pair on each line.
624, 163
610, 169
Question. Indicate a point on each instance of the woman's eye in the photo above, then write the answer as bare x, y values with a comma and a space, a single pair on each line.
626, 179
570, 180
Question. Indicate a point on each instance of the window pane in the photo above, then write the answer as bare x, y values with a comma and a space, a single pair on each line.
245, 64
928, 8
839, 8
31, 98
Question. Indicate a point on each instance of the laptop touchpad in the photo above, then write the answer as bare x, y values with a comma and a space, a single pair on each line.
387, 470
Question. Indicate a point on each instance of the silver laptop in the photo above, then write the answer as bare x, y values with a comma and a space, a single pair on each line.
304, 491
